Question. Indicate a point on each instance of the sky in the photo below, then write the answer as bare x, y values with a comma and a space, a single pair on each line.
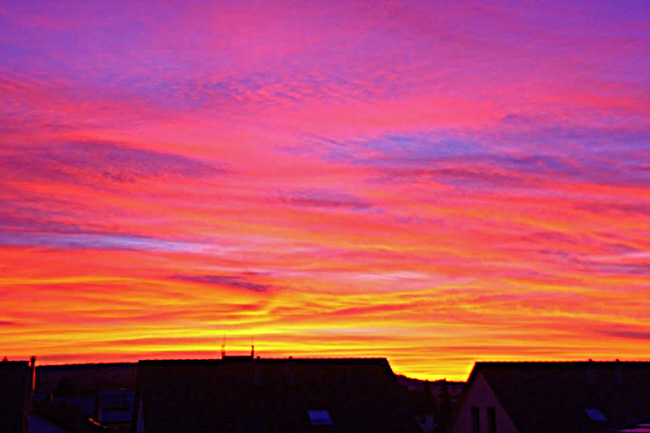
434, 182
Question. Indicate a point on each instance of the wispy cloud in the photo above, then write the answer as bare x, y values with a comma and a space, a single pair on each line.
96, 241
631, 332
97, 163
235, 282
324, 199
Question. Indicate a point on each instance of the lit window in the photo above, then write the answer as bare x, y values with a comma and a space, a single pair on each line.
319, 417
595, 415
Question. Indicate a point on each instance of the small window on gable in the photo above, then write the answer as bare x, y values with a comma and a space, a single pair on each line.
319, 417
595, 414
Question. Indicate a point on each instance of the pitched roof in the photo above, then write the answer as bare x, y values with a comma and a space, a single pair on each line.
237, 395
569, 396
66, 417
14, 377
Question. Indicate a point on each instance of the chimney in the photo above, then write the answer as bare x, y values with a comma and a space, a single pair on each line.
31, 383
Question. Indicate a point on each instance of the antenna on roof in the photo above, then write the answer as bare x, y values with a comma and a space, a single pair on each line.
223, 346
252, 346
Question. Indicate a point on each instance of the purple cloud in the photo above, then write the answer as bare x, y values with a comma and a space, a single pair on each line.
324, 199
235, 282
95, 241
632, 332
98, 162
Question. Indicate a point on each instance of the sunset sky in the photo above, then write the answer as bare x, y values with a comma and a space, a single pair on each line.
435, 182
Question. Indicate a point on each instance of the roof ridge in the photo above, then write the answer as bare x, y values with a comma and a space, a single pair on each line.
258, 359
89, 364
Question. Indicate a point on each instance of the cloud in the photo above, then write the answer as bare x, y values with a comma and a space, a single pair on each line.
25, 219
496, 156
97, 163
95, 241
388, 150
324, 199
8, 323
631, 269
642, 209
235, 282
625, 332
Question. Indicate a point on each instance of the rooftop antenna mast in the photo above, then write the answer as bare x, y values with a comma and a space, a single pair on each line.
252, 346
223, 346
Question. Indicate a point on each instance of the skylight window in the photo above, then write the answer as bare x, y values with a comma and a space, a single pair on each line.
319, 417
595, 415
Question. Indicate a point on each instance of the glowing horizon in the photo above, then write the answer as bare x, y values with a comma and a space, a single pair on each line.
427, 182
